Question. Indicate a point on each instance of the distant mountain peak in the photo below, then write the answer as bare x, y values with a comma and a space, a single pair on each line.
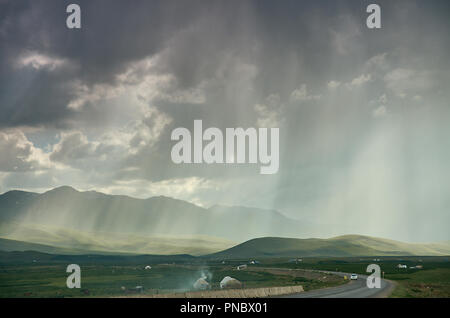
224, 206
64, 188
166, 199
10, 192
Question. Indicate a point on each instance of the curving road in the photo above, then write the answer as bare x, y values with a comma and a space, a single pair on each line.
353, 289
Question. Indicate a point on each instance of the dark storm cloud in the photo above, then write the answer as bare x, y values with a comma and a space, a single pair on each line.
113, 35
353, 105
41, 26
194, 39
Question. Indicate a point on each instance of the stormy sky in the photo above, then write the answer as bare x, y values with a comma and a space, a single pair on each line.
363, 114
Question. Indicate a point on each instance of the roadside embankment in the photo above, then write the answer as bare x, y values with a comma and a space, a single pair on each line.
233, 293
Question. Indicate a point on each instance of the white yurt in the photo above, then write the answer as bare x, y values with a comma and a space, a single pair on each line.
229, 282
201, 283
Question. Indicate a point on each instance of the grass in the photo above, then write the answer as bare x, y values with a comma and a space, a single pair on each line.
424, 284
103, 277
108, 280
431, 281
96, 280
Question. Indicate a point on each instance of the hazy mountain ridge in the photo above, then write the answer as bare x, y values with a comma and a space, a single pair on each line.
341, 246
66, 220
96, 221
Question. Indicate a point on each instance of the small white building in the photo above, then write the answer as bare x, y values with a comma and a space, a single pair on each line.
402, 266
148, 267
295, 260
139, 289
241, 267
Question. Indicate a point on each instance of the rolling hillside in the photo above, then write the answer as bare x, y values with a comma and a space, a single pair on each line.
19, 246
341, 246
63, 241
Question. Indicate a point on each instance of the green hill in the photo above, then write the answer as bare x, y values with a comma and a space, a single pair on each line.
15, 237
341, 246
19, 246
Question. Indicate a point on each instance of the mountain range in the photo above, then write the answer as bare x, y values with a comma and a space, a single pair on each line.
95, 221
97, 212
67, 221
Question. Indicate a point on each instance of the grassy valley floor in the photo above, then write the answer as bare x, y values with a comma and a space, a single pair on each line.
106, 276
107, 280
429, 283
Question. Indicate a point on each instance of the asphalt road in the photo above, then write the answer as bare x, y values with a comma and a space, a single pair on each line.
353, 289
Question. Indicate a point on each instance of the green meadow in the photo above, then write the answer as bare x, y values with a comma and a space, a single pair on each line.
108, 276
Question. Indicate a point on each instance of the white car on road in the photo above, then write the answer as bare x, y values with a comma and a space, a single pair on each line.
353, 277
